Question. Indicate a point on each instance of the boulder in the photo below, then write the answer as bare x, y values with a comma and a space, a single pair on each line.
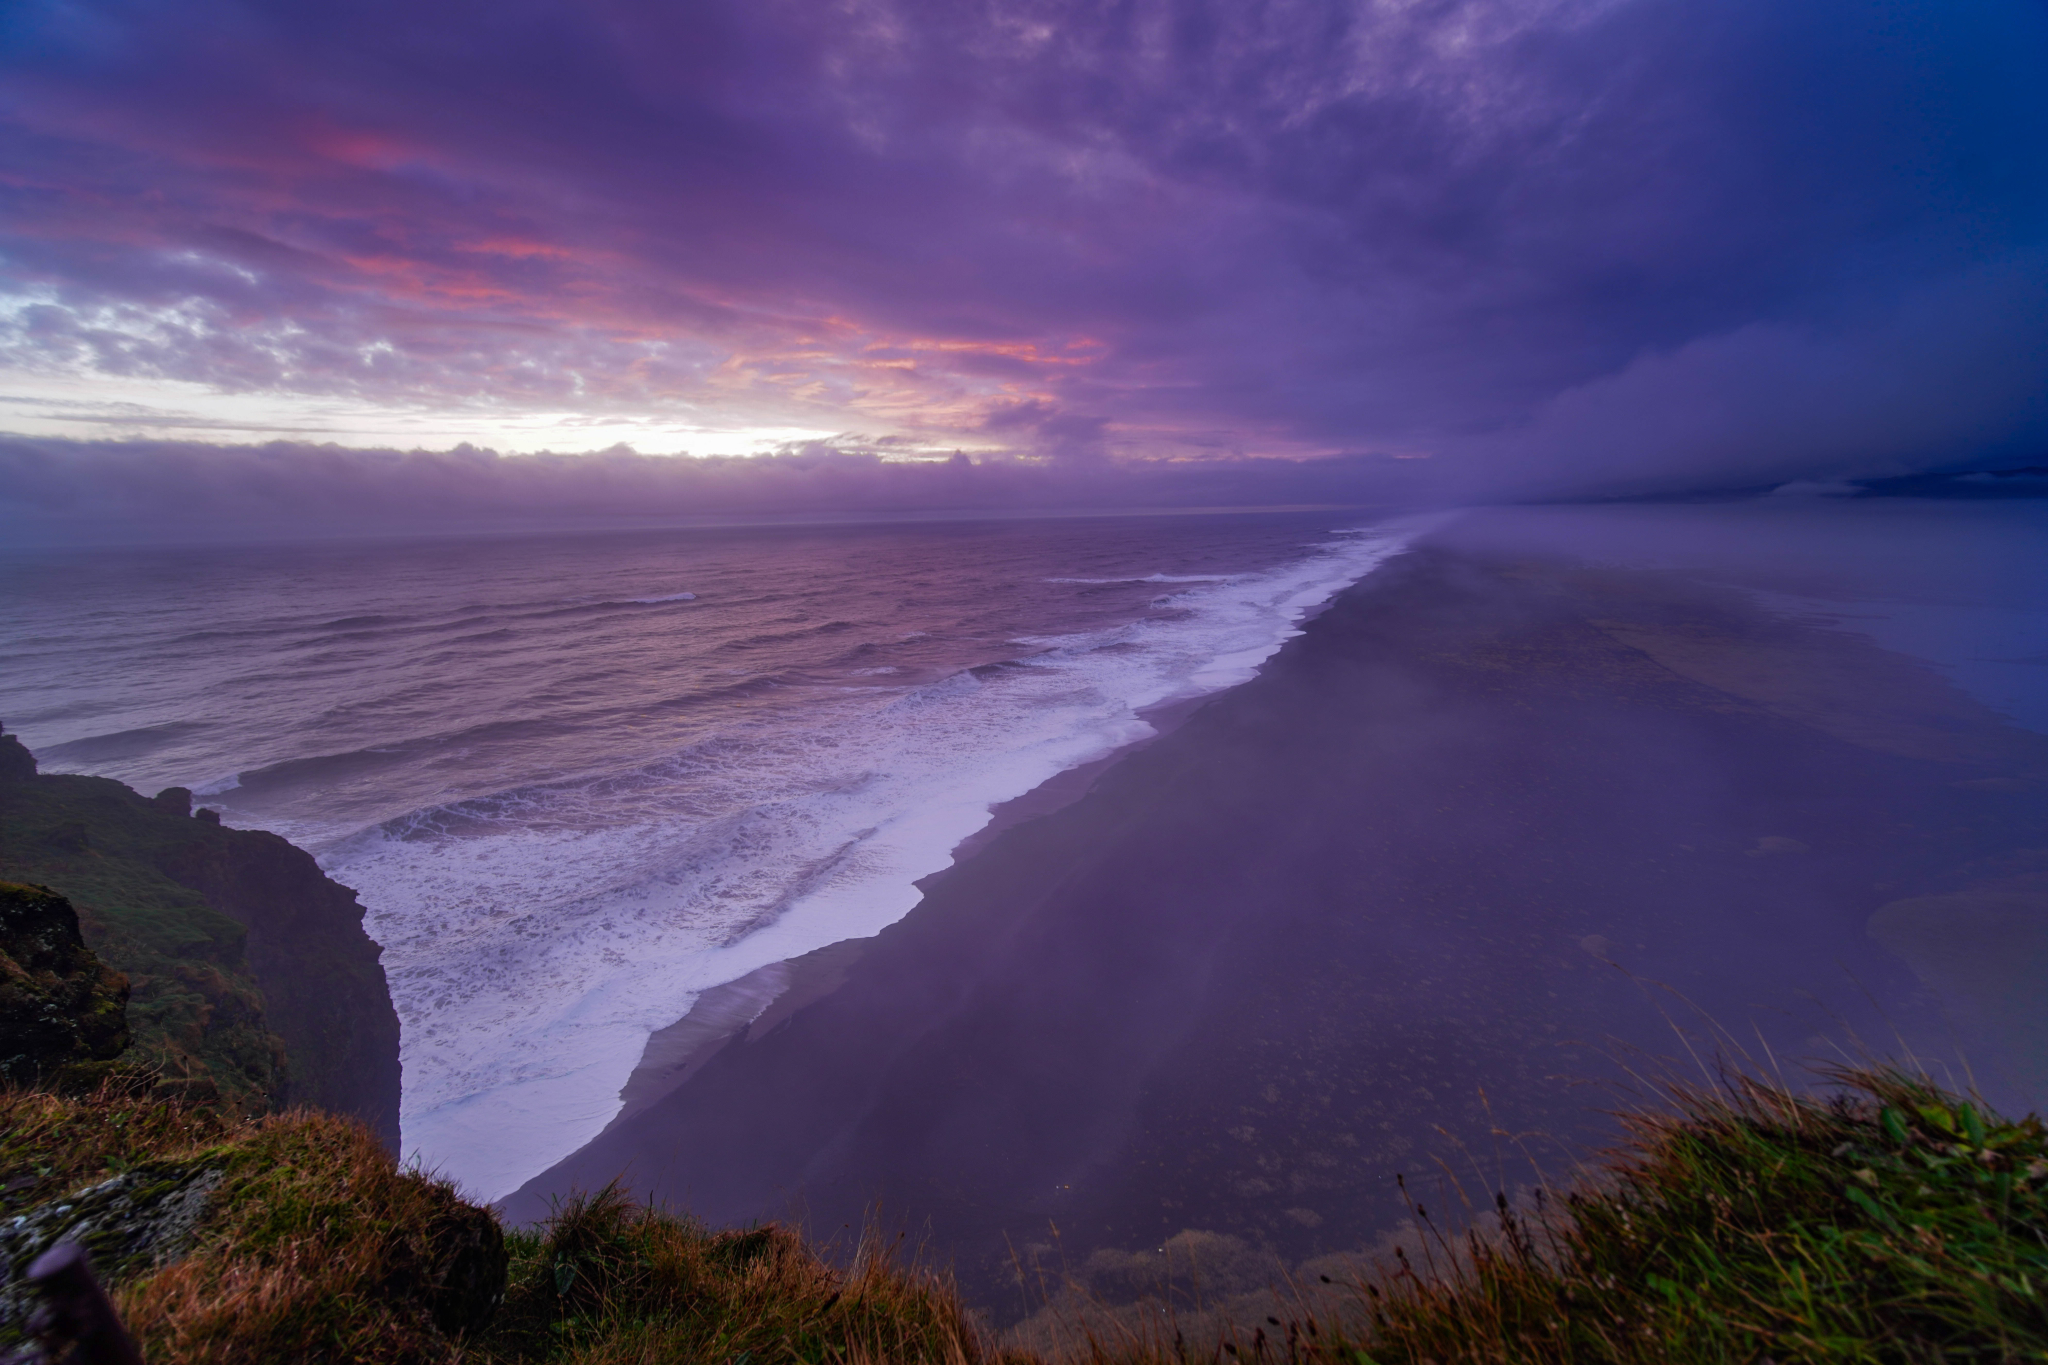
60, 1006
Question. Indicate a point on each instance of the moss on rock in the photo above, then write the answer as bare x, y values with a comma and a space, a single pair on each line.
60, 1007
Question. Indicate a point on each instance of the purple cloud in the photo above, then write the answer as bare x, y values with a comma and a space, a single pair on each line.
1574, 245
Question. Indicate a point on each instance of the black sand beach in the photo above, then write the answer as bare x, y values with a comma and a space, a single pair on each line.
1406, 896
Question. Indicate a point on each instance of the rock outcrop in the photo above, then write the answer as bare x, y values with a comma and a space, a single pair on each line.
17, 764
129, 1225
61, 1008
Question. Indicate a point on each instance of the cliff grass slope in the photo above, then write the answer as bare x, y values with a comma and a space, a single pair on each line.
1885, 1221
249, 970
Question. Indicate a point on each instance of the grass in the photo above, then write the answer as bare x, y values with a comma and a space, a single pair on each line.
50, 1144
1890, 1222
1886, 1221
316, 1246
608, 1282
196, 1011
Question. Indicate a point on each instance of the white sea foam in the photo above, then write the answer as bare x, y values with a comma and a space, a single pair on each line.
672, 597
530, 962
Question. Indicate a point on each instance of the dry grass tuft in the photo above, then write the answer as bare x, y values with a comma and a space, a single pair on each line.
50, 1144
322, 1249
1889, 1222
314, 1246
608, 1282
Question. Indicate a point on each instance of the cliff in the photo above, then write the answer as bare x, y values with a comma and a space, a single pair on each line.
249, 970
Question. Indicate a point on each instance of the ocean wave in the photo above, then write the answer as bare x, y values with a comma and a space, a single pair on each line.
783, 637
1150, 578
359, 622
120, 744
535, 938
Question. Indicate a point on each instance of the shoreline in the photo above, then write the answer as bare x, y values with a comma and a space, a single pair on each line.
755, 1004
758, 1000
1362, 913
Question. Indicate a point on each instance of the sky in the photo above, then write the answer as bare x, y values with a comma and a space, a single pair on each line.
265, 259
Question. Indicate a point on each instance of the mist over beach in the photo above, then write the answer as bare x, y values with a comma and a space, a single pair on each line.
1085, 633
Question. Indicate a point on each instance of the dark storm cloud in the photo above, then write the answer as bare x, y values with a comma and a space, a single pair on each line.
1549, 246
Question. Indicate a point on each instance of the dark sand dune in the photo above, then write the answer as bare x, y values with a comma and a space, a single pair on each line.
1357, 914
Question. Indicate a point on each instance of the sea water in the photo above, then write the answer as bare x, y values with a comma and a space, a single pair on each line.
578, 780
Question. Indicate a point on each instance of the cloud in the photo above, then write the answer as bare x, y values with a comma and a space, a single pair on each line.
1951, 373
1065, 435
62, 492
1507, 233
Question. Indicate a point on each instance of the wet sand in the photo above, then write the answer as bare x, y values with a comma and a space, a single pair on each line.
1397, 900
762, 999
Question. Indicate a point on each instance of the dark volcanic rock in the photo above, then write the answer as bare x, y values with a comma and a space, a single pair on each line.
60, 1006
17, 764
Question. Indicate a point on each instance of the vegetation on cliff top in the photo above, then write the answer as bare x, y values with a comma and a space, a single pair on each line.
1888, 1222
250, 973
195, 1008
290, 1237
314, 1245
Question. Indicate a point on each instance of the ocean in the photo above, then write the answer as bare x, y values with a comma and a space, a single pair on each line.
579, 779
